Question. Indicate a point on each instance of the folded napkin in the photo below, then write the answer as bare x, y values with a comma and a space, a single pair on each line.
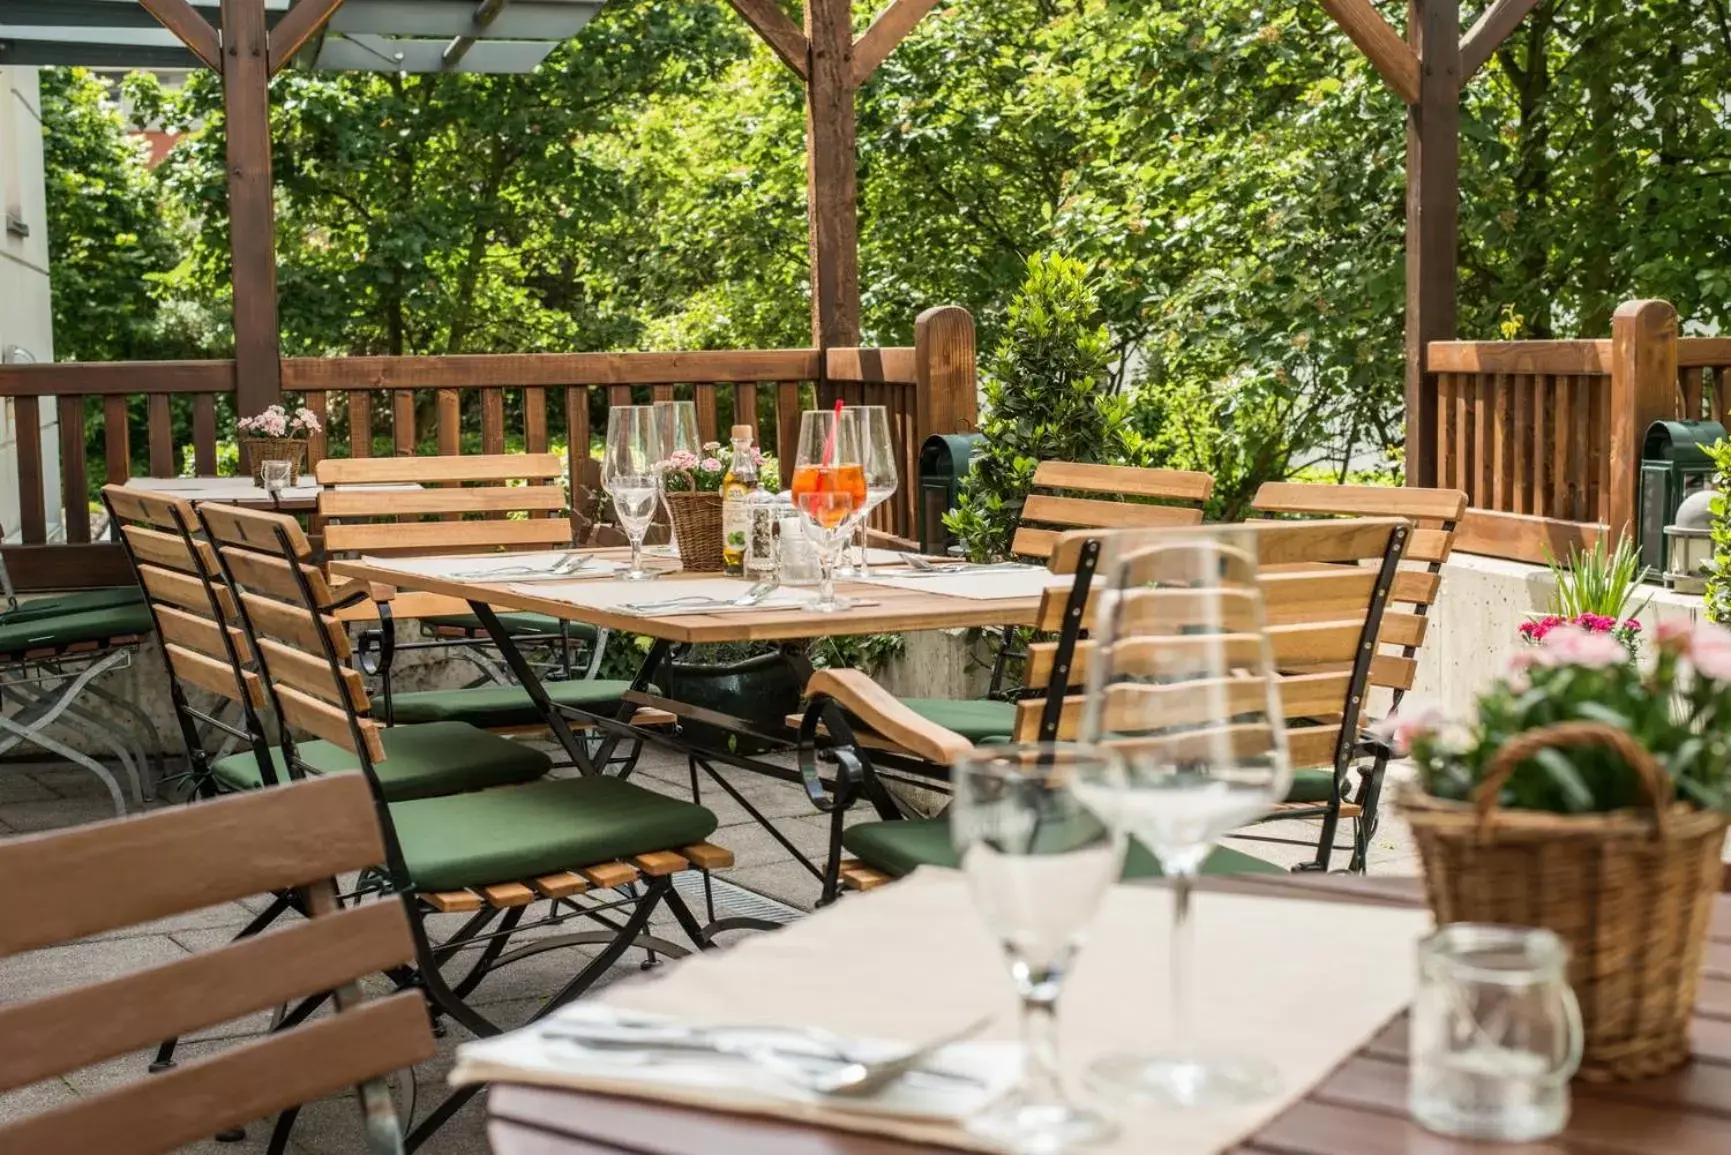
952, 1084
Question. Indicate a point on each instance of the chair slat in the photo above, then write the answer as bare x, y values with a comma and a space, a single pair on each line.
328, 722
183, 590
234, 525
196, 632
1413, 502
66, 1031
404, 470
1132, 706
166, 1111
412, 503
145, 505
168, 550
273, 575
67, 885
215, 675
1175, 484
314, 675
423, 537
1077, 511
294, 624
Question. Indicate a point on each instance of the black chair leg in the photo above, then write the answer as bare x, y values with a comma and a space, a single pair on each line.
1369, 800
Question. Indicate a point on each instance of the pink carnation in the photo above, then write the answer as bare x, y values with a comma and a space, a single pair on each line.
710, 465
1710, 651
1417, 717
1574, 646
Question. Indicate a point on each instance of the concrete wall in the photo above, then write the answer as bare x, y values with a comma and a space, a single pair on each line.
1478, 613
26, 313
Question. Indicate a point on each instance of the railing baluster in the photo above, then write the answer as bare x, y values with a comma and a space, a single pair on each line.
535, 420
1543, 413
318, 444
745, 408
708, 420
1521, 434
449, 404
117, 443
360, 423
787, 411
74, 478
403, 422
32, 505
1562, 448
493, 419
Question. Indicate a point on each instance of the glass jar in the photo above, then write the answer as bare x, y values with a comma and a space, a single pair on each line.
762, 509
1496, 1033
796, 556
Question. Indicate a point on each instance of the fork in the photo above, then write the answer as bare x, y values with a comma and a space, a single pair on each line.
569, 564
750, 597
925, 565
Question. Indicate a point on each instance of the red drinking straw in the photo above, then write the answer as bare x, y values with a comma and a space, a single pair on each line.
829, 442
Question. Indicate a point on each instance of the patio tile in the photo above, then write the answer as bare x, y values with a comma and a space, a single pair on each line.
68, 781
754, 846
44, 972
34, 1099
222, 920
59, 813
17, 785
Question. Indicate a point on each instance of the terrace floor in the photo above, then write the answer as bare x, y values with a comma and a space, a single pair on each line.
42, 796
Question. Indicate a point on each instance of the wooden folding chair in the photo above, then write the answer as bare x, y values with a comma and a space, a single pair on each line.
468, 504
589, 847
1322, 665
1435, 514
64, 886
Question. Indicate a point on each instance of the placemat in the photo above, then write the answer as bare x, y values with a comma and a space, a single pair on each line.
620, 596
1301, 984
980, 585
507, 566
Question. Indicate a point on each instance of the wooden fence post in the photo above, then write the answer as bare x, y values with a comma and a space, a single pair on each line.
1643, 390
947, 397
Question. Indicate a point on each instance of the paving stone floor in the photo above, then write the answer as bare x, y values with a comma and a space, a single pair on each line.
43, 797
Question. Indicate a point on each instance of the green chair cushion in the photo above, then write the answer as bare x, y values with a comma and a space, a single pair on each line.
77, 602
35, 632
1311, 786
426, 761
897, 847
979, 720
515, 623
489, 706
526, 831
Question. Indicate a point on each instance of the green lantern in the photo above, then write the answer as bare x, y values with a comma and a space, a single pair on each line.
1674, 464
944, 461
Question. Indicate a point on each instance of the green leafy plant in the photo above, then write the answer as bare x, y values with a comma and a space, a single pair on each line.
1677, 709
1598, 581
1048, 397
1718, 596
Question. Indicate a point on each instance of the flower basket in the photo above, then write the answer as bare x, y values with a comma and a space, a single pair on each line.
697, 529
262, 449
1629, 891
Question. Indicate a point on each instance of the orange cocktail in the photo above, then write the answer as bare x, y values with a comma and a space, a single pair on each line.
848, 480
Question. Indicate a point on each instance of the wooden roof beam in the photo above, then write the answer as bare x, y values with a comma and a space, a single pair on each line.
194, 31
784, 37
1489, 32
889, 29
302, 22
1392, 57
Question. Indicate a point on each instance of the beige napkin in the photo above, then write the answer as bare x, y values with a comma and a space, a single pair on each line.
980, 585
1301, 984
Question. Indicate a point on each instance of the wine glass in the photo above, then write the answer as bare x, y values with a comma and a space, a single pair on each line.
628, 471
1039, 852
1185, 684
829, 491
882, 475
676, 422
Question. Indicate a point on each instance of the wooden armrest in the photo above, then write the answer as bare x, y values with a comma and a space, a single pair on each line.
883, 712
883, 540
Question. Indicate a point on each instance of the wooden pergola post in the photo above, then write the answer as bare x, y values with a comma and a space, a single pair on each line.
1427, 70
832, 65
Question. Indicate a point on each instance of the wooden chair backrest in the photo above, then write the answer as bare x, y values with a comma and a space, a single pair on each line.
66, 885
1091, 497
193, 607
287, 607
1435, 514
470, 504
1317, 622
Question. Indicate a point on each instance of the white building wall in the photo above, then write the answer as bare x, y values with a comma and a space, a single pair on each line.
26, 315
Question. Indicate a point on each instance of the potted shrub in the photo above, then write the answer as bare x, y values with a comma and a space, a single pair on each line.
1595, 592
1588, 797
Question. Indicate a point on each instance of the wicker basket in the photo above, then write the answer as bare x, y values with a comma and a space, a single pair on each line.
1630, 892
262, 449
697, 530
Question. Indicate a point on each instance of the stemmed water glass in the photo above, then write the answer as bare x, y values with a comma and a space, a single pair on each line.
1040, 852
676, 423
829, 491
882, 475
1184, 681
628, 471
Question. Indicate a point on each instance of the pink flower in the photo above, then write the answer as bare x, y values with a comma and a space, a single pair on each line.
1535, 631
1573, 646
1417, 717
1710, 651
1674, 635
710, 465
683, 461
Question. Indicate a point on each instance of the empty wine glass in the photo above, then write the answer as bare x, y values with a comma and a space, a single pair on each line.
1039, 854
628, 473
1184, 682
882, 476
676, 423
829, 491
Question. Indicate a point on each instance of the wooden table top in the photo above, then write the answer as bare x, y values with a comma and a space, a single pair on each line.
242, 491
1360, 1109
894, 610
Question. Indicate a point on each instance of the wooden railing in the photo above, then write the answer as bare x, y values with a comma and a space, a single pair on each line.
381, 404
1545, 436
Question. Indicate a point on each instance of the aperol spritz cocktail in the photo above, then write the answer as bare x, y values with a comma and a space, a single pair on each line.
848, 479
829, 490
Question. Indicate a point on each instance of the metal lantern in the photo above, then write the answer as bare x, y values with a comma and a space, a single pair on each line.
1674, 464
1689, 543
944, 462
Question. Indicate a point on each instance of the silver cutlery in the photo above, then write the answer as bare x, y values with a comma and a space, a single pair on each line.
845, 1074
924, 565
750, 597
569, 564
